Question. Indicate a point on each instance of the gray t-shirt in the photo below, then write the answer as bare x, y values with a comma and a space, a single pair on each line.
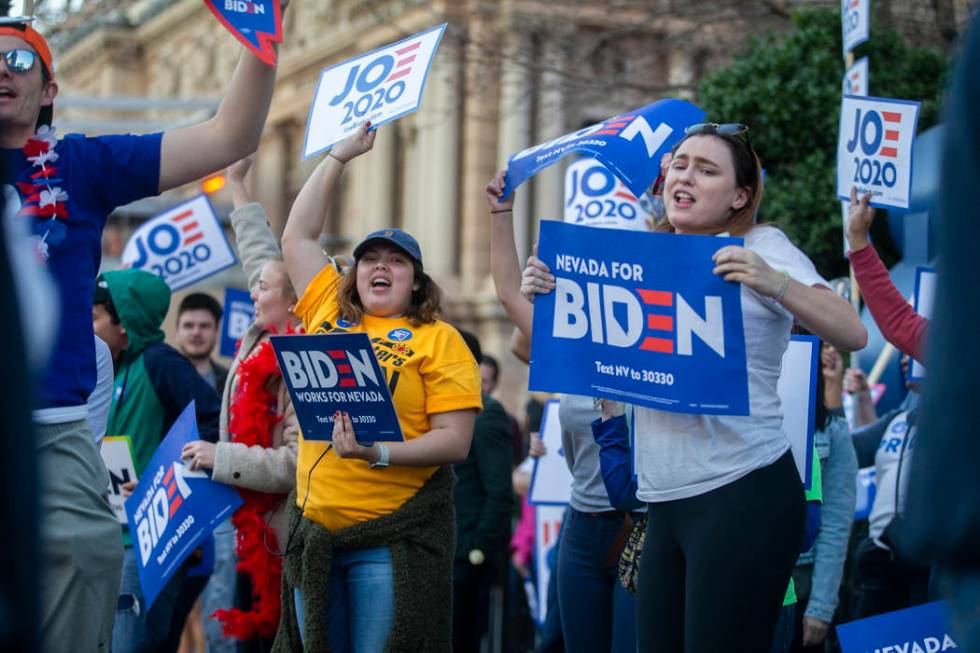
100, 400
582, 453
680, 455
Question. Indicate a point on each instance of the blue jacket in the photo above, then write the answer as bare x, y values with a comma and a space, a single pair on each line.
839, 467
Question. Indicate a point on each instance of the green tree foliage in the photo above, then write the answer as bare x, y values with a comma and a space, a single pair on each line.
787, 88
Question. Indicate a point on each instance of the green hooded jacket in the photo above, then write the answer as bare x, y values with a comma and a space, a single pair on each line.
154, 383
141, 300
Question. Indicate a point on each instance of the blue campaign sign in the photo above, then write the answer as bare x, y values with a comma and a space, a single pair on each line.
239, 314
337, 371
797, 391
639, 317
173, 508
922, 629
257, 24
924, 300
630, 145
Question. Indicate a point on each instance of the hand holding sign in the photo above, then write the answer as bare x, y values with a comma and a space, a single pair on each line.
345, 440
859, 219
742, 265
198, 455
495, 193
356, 144
536, 278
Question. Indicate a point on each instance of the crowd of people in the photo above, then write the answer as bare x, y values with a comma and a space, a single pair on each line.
696, 535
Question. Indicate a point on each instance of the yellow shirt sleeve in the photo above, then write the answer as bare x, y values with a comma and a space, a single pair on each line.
320, 297
451, 376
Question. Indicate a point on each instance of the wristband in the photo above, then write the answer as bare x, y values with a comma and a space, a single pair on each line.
383, 457
501, 211
783, 287
336, 158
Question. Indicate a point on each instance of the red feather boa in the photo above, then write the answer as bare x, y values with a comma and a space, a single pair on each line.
251, 420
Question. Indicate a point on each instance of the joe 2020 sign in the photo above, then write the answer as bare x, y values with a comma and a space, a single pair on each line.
379, 86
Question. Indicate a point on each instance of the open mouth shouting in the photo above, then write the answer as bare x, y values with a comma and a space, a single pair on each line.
380, 284
683, 199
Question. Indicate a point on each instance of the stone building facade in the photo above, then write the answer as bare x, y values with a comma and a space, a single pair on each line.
508, 74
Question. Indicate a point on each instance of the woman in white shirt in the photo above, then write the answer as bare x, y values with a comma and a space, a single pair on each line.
726, 505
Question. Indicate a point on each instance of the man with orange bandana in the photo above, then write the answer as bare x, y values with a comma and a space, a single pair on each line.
67, 188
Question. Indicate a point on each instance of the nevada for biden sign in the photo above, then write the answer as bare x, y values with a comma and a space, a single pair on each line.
639, 317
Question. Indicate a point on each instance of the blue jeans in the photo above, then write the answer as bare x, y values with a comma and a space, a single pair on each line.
783, 637
138, 629
361, 603
220, 590
597, 614
551, 638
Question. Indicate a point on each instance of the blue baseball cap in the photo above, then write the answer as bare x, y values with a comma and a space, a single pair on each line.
395, 237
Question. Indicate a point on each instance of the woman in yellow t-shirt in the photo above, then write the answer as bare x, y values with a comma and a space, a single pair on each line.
371, 558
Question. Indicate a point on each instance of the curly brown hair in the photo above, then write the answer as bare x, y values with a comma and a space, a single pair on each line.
425, 305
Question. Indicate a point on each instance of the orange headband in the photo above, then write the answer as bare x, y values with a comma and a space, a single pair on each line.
35, 40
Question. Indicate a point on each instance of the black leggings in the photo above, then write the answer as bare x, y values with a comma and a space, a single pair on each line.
715, 567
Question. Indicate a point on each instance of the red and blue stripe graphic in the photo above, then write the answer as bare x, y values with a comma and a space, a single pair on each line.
406, 57
190, 229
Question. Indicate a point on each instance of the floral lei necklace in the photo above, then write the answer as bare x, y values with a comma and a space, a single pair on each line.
44, 199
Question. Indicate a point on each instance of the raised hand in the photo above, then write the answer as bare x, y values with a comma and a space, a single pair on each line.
859, 219
856, 382
238, 170
495, 194
832, 365
356, 144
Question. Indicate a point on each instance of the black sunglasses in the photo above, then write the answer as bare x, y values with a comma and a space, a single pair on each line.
724, 129
19, 60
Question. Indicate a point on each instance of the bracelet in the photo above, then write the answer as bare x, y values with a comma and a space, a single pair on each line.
336, 158
783, 287
501, 211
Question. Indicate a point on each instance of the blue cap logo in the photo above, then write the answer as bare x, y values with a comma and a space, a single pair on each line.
400, 335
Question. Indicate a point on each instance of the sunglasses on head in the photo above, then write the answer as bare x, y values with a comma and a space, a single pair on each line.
713, 128
19, 60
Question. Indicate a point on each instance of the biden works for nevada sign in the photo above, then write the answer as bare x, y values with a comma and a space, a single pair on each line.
333, 372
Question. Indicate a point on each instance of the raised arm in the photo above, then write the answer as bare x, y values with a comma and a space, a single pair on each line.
301, 238
253, 235
504, 264
817, 308
189, 153
898, 321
